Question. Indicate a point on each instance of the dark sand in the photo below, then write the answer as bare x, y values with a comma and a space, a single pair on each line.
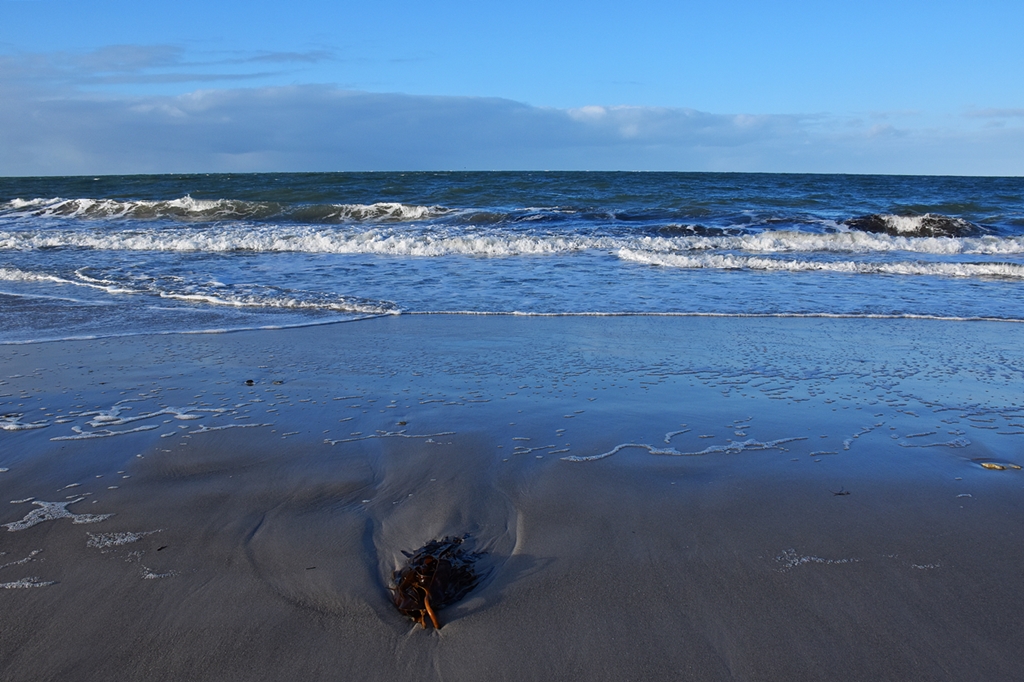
262, 553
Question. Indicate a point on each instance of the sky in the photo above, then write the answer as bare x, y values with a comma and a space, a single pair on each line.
98, 86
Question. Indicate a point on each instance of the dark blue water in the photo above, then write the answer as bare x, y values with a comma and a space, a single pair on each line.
111, 255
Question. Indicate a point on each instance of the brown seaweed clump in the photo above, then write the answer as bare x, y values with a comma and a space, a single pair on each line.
438, 574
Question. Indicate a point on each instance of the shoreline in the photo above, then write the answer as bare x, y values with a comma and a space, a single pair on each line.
840, 530
474, 313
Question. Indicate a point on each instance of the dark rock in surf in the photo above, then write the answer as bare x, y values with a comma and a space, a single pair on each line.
927, 225
438, 574
695, 230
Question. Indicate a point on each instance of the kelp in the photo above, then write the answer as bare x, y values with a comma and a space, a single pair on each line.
438, 574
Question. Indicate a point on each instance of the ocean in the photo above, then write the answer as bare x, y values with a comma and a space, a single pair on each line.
84, 257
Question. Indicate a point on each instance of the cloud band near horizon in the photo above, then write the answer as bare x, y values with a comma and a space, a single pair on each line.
325, 128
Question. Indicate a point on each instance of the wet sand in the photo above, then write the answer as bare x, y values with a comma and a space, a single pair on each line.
799, 499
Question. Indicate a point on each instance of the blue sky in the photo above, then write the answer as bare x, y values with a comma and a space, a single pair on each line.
887, 87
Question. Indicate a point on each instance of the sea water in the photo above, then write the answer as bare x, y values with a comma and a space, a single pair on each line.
84, 256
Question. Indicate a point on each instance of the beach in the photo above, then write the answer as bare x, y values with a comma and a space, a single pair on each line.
655, 497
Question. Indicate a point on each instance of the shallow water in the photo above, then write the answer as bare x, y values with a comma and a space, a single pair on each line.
138, 254
698, 489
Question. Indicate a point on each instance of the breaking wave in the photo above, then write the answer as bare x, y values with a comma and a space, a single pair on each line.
299, 239
97, 256
838, 242
201, 210
739, 262
208, 292
493, 242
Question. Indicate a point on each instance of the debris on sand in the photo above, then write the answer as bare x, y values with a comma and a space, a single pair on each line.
438, 574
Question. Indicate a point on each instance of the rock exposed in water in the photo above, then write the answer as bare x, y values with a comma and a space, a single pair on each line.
927, 225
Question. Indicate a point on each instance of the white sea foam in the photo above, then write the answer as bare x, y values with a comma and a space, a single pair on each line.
103, 433
26, 583
107, 540
341, 305
780, 315
954, 443
203, 428
51, 511
150, 574
785, 241
12, 422
21, 562
789, 559
751, 444
389, 434
729, 448
904, 224
223, 330
190, 209
442, 241
253, 296
302, 239
113, 416
16, 275
738, 262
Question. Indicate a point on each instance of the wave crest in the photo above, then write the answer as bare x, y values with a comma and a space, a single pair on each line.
446, 241
739, 262
205, 292
188, 209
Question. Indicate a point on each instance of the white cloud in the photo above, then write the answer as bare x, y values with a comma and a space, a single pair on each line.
588, 113
118, 65
995, 113
49, 126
